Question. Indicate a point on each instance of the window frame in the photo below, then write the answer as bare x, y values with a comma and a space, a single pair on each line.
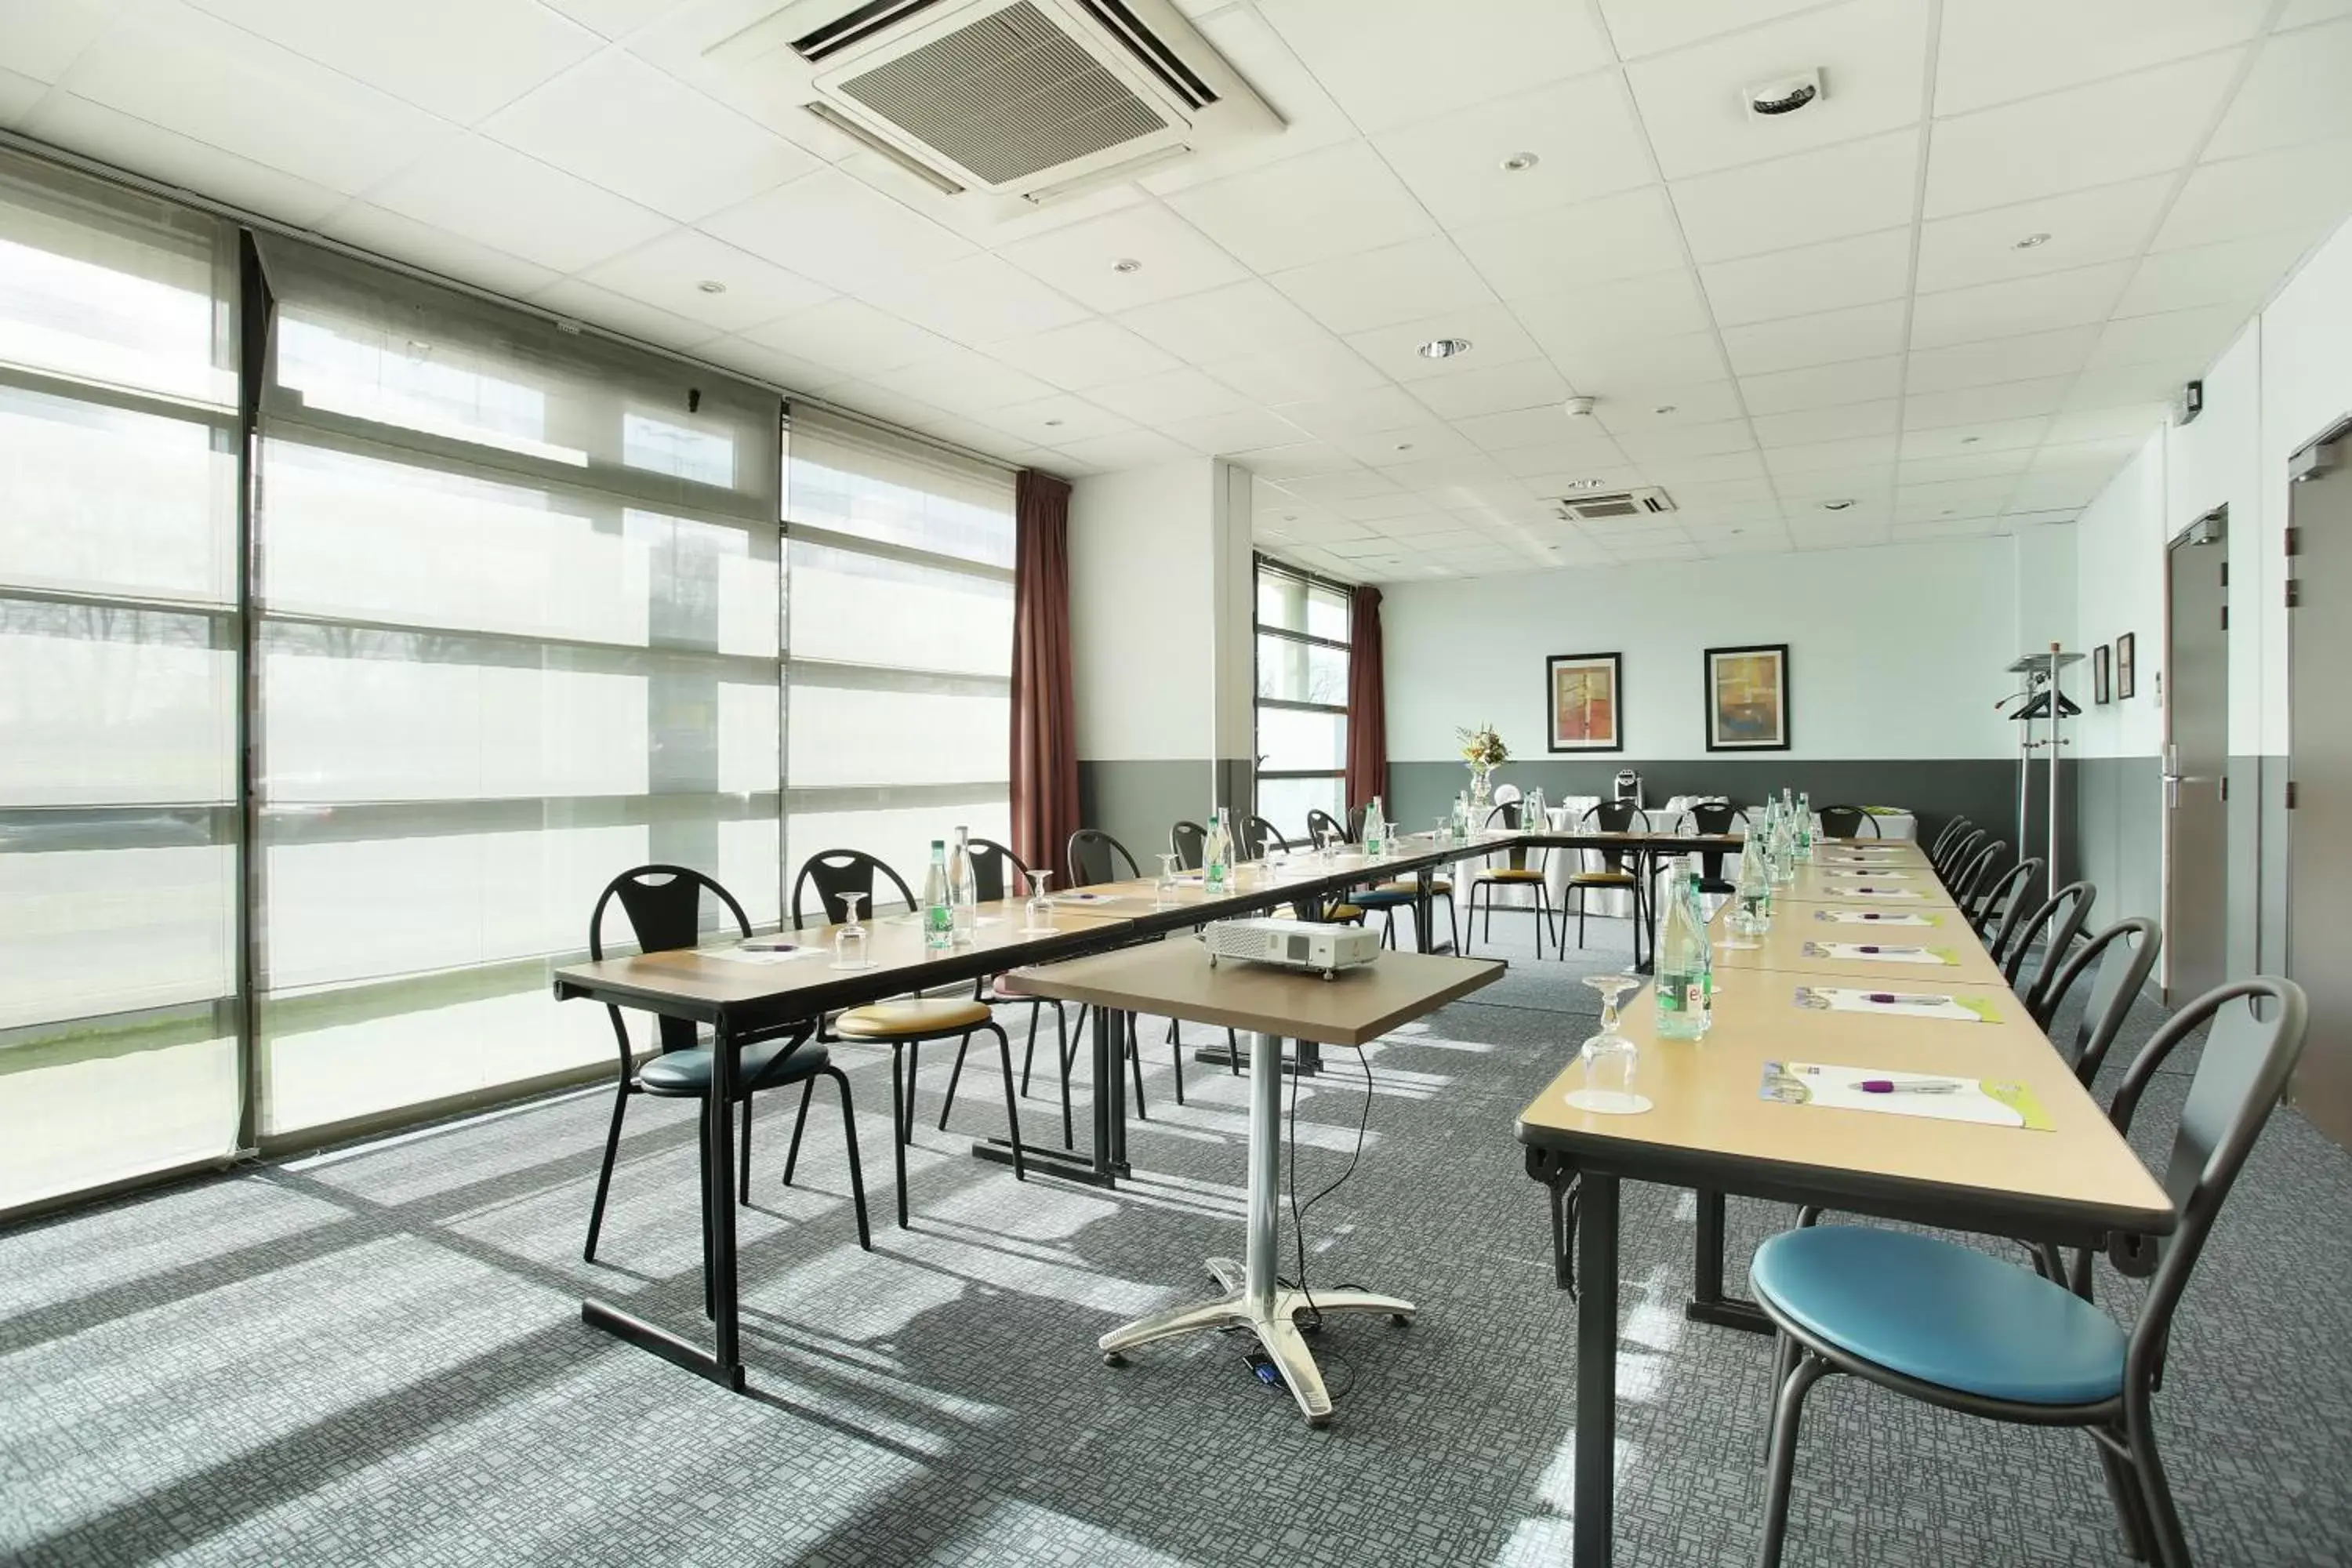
1260, 567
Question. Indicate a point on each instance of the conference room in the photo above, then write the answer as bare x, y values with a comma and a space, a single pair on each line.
1174, 782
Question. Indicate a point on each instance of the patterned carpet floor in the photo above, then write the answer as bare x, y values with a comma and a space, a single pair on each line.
376, 1355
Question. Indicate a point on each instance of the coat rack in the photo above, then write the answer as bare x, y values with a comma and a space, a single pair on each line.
2041, 696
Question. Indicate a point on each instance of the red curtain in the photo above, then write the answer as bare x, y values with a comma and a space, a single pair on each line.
1368, 725
1045, 717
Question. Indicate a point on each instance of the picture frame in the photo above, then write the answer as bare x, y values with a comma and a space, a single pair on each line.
2126, 667
1748, 697
2102, 686
1584, 702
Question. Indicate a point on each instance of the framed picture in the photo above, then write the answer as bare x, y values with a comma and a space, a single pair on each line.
1583, 699
2126, 666
1748, 698
2101, 690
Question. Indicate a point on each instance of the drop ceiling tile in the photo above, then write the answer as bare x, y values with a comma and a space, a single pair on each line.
1647, 27
1953, 498
828, 227
1718, 467
1405, 59
2195, 336
1859, 187
1415, 443
1949, 528
617, 122
1377, 289
2305, 13
1583, 134
1983, 404
1356, 203
2117, 386
18, 93
1589, 455
1807, 279
1666, 443
613, 18
774, 366
963, 380
1654, 305
2109, 224
1871, 55
1493, 333
2044, 304
116, 138
1279, 463
1994, 51
2138, 419
1974, 465
2294, 94
2112, 451
1822, 386
2110, 130
1463, 480
1543, 253
1127, 450
1227, 323
1081, 260
1793, 343
452, 256
2067, 488
1495, 389
975, 299
511, 203
457, 59
1342, 484
1955, 441
1843, 421
618, 313
1055, 421
1816, 457
2238, 272
1084, 354
669, 273
45, 36
1802, 491
1356, 413
1524, 427
884, 405
1297, 372
1762, 539
1392, 512
1725, 502
1638, 366
1169, 396
850, 336
1838, 534
1671, 406
2305, 189
193, 74
2002, 359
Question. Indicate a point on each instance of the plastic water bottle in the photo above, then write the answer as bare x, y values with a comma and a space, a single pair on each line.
1697, 899
1376, 828
1682, 984
938, 909
1784, 845
1217, 854
1754, 895
1804, 825
1462, 814
964, 890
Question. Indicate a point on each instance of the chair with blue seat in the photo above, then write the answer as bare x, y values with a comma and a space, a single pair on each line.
663, 908
1965, 1330
1387, 898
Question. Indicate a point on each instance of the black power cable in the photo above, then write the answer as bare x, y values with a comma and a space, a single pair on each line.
1299, 1212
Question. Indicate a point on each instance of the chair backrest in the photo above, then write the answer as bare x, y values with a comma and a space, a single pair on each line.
664, 906
1846, 822
1714, 817
2022, 921
1617, 816
991, 862
1094, 857
2056, 923
2125, 954
1957, 853
1189, 841
1969, 880
2004, 896
2244, 1069
1321, 826
1503, 813
1945, 839
1356, 822
1258, 835
839, 872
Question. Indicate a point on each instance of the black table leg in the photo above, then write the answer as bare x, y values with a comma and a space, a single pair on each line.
1596, 1371
1110, 1097
1105, 1162
1708, 1304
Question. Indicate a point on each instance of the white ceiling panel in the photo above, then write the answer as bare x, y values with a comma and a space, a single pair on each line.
1793, 343
1377, 289
1238, 431
1542, 441
1859, 187
1648, 26
18, 93
1285, 462
452, 256
963, 380
2135, 420
45, 36
97, 131
1542, 253
1056, 420
2294, 94
584, 302
1228, 323
1995, 51
976, 299
1086, 353
1395, 513
1082, 261
1846, 421
845, 235
1415, 443
1310, 116
1954, 441
1985, 405
2304, 189
1828, 457
1403, 61
1493, 333
2190, 336
1342, 484
2080, 227
671, 273
1495, 389
1356, 204
1822, 386
1169, 396
1655, 305
2238, 272
1128, 449
850, 336
1582, 136
492, 193
1356, 413
1970, 465
1714, 468
1662, 443
2044, 304
2000, 359
1807, 279
1298, 373
2110, 130
1802, 491
1707, 403
2121, 385
1637, 366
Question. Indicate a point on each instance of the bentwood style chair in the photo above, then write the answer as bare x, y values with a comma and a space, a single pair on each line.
1954, 1327
1846, 822
664, 906
902, 1025
1322, 828
2055, 925
992, 868
1515, 872
2000, 899
2125, 956
1947, 838
1947, 867
1615, 875
1969, 880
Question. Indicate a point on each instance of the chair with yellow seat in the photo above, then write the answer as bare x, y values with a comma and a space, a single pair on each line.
904, 1024
1613, 874
1515, 872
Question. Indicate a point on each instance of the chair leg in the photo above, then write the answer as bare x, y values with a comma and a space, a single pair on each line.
1784, 1361
702, 1148
1135, 1062
1543, 919
914, 1066
899, 1132
2169, 1540
953, 1079
1176, 1052
1233, 1055
604, 1172
1062, 1055
800, 1123
1012, 1103
849, 1141
743, 1170
2130, 1502
1029, 1053
1789, 1399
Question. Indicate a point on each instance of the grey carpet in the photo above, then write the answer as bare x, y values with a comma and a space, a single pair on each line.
377, 1357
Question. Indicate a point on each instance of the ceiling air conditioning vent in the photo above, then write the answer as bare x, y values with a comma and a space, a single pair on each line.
1010, 103
1605, 504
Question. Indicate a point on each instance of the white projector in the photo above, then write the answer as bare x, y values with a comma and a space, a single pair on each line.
1292, 944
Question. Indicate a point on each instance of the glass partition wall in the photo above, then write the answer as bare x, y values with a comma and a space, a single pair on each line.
354, 632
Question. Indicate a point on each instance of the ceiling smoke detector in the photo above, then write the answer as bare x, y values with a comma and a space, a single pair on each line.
1127, 264
2031, 241
1783, 95
1578, 408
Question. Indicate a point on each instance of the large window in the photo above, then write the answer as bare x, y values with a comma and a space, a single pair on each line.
1302, 697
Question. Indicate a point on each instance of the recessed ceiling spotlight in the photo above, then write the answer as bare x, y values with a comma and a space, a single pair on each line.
1835, 505
1051, 424
1443, 348
1404, 446
1970, 440
1519, 162
711, 286
1290, 517
1666, 408
2030, 241
1127, 264
1739, 531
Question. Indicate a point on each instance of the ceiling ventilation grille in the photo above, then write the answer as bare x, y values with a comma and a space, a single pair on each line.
1605, 504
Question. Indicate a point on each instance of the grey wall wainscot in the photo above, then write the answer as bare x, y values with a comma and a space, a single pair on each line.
2122, 815
1137, 802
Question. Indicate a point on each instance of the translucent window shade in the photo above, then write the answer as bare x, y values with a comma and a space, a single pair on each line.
1291, 740
1281, 600
862, 735
92, 932
108, 705
1301, 672
1326, 613
1286, 803
899, 835
850, 479
870, 609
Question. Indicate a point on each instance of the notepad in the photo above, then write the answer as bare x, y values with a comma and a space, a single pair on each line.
765, 954
1897, 1003
1875, 953
1993, 1102
1875, 918
1872, 891
1876, 875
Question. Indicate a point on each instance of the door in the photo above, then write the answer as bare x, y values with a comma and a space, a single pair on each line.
2319, 821
2196, 759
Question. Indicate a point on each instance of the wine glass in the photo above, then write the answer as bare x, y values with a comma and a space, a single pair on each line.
1040, 910
1610, 1058
1443, 835
1163, 894
849, 942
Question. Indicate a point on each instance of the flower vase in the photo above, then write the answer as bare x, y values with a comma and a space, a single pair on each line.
1482, 796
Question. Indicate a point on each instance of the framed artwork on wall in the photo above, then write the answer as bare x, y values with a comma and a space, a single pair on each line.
2101, 692
1584, 699
2126, 666
1748, 697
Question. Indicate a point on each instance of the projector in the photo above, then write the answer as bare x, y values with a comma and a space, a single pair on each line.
1292, 944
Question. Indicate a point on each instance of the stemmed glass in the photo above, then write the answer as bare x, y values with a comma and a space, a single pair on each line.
849, 942
1443, 835
1039, 910
1163, 895
1610, 1058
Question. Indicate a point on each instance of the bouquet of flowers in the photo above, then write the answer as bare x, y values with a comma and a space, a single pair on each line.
1483, 749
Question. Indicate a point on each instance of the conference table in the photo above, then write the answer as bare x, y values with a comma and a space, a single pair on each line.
1754, 1110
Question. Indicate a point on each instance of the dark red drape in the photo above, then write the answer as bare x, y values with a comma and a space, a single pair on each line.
1368, 725
1045, 717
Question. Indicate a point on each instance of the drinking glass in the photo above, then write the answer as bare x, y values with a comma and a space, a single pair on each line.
1443, 836
1610, 1060
1163, 895
1041, 906
849, 942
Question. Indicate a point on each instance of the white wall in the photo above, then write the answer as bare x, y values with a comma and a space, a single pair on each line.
2119, 588
1143, 602
1895, 652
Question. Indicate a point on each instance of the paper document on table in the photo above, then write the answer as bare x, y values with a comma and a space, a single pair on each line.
1875, 917
1874, 952
1872, 891
1900, 1004
917, 920
764, 954
1080, 901
1875, 876
1994, 1103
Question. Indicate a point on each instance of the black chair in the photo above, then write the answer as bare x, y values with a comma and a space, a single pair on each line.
1958, 855
901, 1025
1356, 822
2004, 896
1189, 842
1959, 1329
1714, 818
1615, 874
1969, 880
1091, 857
1947, 836
992, 868
2055, 925
2125, 954
1515, 872
2025, 922
1258, 835
1846, 822
664, 906
1322, 827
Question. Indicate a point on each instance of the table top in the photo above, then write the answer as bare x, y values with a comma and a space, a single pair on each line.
1174, 979
1794, 926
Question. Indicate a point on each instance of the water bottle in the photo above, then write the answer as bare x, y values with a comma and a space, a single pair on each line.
1784, 845
1217, 854
1376, 828
938, 909
1532, 814
1804, 825
1462, 814
1697, 898
963, 888
1680, 989
1754, 894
